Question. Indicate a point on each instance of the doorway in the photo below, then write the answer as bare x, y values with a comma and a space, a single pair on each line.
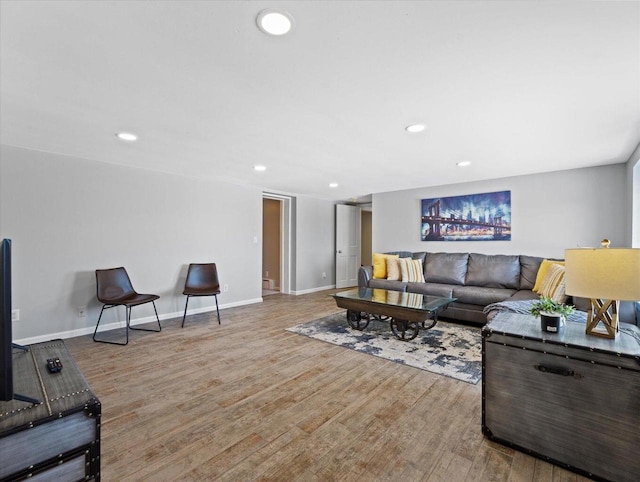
276, 244
366, 256
271, 246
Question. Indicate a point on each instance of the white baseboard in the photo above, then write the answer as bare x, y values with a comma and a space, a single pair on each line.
121, 323
313, 290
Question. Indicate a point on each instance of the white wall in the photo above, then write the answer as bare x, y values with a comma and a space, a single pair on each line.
550, 212
315, 244
68, 217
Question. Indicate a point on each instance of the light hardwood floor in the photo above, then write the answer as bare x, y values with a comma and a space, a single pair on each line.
247, 400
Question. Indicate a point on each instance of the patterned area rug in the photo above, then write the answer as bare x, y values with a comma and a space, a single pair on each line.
446, 349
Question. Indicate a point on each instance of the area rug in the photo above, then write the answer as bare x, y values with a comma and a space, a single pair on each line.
446, 349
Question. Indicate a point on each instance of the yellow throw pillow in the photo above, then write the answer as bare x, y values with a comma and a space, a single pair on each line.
542, 271
411, 270
380, 265
393, 268
553, 284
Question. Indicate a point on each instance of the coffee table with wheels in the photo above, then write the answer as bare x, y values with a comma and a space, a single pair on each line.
406, 312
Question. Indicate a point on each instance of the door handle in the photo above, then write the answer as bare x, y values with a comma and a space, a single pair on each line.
339, 251
556, 370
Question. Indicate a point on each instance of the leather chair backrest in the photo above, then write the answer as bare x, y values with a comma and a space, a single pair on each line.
113, 284
202, 277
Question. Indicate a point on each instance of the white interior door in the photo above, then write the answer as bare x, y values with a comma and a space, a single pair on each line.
347, 245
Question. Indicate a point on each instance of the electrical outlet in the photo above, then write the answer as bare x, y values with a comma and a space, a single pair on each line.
225, 288
82, 312
324, 275
266, 274
15, 315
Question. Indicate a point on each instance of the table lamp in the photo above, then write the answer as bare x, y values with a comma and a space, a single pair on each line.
606, 276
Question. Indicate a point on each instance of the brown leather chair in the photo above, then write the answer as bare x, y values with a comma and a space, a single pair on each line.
202, 280
114, 289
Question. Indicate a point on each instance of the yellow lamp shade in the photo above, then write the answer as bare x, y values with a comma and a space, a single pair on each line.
603, 273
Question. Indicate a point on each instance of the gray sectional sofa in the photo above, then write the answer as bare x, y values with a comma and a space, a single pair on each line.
476, 280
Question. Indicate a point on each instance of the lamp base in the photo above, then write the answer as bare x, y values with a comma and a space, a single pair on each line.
604, 313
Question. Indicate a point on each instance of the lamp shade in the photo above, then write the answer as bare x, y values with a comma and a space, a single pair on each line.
603, 273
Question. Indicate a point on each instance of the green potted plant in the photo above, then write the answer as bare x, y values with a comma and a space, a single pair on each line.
552, 314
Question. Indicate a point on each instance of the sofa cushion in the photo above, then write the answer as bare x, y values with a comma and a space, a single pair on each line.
380, 265
524, 295
464, 312
542, 271
386, 284
433, 289
411, 270
493, 271
448, 268
553, 284
481, 296
393, 268
529, 266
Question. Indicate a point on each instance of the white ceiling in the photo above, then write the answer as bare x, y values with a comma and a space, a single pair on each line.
515, 87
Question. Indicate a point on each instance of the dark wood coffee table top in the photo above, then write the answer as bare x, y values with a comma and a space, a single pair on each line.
408, 312
425, 304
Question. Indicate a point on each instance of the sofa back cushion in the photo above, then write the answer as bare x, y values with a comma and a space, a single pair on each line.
529, 266
401, 254
449, 268
493, 271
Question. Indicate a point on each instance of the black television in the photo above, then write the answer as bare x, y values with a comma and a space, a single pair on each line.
6, 348
6, 340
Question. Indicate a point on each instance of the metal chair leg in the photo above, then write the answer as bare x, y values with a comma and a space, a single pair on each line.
148, 329
128, 325
187, 304
185, 311
107, 341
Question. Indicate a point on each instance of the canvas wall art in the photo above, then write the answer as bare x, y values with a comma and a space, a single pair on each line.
473, 217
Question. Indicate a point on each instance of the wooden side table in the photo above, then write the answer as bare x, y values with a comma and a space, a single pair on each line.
568, 398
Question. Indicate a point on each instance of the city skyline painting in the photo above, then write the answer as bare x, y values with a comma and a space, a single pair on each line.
472, 217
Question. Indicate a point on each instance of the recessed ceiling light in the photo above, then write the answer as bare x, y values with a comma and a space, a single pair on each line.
333, 184
463, 163
274, 22
127, 136
413, 128
260, 168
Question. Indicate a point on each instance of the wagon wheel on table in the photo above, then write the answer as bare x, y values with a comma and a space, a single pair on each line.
430, 323
404, 330
357, 320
